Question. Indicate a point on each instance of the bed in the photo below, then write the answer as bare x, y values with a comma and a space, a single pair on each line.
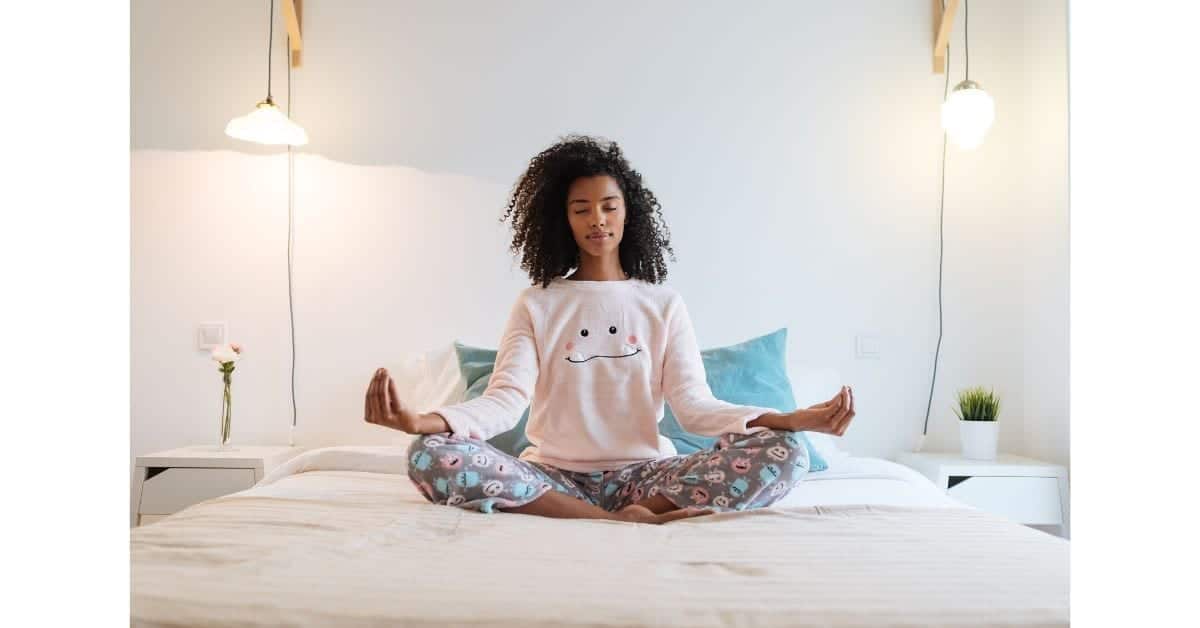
339, 537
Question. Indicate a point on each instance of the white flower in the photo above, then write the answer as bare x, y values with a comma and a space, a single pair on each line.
226, 353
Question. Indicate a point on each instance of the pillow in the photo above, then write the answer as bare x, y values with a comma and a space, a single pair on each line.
751, 373
476, 365
811, 385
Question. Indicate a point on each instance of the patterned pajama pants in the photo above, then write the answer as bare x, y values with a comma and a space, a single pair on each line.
740, 472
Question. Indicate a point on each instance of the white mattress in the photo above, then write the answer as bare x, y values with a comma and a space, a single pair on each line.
340, 537
858, 480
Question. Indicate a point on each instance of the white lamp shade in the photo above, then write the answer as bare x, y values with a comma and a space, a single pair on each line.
967, 115
266, 125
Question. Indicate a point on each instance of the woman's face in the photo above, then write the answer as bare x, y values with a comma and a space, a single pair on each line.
596, 211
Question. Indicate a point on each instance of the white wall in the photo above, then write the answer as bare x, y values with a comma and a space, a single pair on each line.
794, 147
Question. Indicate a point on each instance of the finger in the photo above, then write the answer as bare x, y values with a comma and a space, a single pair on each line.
377, 397
845, 422
393, 398
385, 396
381, 397
825, 404
827, 409
851, 411
841, 426
841, 431
832, 400
370, 402
834, 407
374, 387
367, 414
837, 418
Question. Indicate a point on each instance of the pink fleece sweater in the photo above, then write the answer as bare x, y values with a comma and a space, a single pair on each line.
595, 360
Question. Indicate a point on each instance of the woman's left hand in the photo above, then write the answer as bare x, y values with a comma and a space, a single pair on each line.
830, 417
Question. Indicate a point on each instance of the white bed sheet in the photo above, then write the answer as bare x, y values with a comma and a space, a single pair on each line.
849, 480
863, 480
339, 537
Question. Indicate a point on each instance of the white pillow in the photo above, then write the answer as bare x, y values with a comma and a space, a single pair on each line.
440, 381
432, 380
812, 385
423, 380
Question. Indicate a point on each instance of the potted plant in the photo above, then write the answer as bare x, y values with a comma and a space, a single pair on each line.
977, 411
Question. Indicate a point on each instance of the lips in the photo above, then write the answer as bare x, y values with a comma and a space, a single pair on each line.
578, 358
599, 236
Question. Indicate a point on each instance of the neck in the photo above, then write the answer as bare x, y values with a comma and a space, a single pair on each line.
599, 269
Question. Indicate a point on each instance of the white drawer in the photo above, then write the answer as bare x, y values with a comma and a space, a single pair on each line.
1029, 500
177, 488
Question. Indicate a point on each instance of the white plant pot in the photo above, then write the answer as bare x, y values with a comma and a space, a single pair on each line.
979, 439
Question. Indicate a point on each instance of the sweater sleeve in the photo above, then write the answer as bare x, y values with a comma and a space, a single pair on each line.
686, 388
511, 385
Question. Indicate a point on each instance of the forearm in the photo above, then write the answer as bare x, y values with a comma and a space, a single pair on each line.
772, 420
431, 423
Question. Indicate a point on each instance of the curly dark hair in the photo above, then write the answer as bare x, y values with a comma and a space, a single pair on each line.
538, 210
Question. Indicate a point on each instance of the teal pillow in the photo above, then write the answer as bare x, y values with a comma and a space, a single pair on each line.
752, 373
476, 366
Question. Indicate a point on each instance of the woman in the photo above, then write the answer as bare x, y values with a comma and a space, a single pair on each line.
598, 352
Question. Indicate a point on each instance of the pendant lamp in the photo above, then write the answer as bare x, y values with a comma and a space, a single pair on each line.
968, 113
267, 124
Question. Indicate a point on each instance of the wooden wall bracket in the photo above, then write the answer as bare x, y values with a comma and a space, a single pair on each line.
291, 16
943, 23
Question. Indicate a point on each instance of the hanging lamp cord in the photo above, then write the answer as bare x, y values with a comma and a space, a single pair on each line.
291, 238
966, 40
270, 41
941, 248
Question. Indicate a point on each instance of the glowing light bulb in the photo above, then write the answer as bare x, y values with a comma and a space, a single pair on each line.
967, 115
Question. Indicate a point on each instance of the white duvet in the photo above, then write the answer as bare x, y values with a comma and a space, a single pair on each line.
339, 537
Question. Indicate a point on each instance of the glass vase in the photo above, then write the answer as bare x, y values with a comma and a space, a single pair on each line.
226, 411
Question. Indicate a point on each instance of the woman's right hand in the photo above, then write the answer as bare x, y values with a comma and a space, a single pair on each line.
385, 408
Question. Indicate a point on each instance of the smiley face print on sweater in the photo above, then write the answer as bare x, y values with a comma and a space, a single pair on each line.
600, 333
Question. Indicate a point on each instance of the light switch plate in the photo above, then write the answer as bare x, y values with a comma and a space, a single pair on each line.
210, 335
866, 347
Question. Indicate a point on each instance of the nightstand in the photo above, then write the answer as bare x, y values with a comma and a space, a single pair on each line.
169, 481
1022, 489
